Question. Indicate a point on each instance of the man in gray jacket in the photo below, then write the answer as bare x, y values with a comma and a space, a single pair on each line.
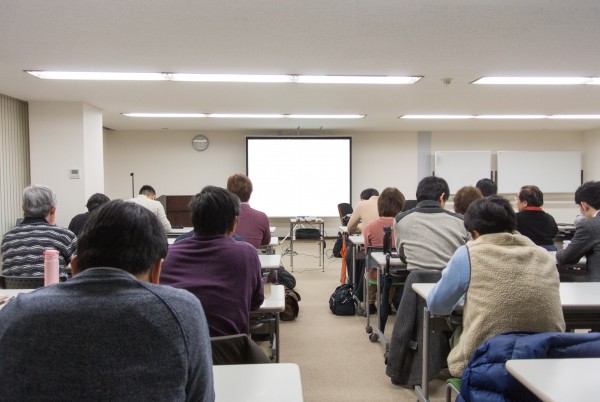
428, 235
586, 240
110, 333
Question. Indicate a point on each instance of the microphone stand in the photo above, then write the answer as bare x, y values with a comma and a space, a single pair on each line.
132, 185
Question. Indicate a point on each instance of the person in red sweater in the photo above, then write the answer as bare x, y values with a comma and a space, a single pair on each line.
389, 204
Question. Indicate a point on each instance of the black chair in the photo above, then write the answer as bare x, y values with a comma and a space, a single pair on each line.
236, 349
21, 282
409, 204
345, 210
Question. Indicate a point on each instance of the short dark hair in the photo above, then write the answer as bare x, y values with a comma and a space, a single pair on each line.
147, 190
589, 192
464, 197
493, 214
532, 194
95, 201
240, 185
213, 210
368, 193
487, 186
431, 188
390, 202
122, 235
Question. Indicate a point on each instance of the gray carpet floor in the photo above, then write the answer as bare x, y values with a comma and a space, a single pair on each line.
337, 360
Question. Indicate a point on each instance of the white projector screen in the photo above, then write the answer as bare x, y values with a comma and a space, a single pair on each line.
299, 176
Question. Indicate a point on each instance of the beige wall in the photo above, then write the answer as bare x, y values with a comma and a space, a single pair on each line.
166, 160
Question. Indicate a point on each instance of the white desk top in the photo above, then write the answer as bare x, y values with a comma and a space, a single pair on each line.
306, 220
357, 239
380, 258
271, 382
558, 379
274, 241
343, 229
269, 261
274, 299
573, 295
272, 228
12, 292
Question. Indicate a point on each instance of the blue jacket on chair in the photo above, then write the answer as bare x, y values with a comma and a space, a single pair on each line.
486, 377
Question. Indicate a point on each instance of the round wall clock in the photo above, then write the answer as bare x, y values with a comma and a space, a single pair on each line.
200, 143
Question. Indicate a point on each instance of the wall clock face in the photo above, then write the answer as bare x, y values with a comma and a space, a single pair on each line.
200, 143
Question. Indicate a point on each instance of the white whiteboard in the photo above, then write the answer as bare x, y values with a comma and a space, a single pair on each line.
462, 168
552, 172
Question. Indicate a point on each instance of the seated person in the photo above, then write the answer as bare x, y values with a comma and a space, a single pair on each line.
364, 212
110, 332
253, 225
223, 273
23, 246
389, 204
427, 235
586, 240
464, 197
147, 199
509, 283
487, 187
93, 202
532, 221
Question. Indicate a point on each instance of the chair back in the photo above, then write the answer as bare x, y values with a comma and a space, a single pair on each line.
409, 204
236, 349
344, 209
21, 282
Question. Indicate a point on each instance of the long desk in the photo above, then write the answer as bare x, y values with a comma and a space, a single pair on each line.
258, 383
268, 315
319, 224
581, 309
559, 380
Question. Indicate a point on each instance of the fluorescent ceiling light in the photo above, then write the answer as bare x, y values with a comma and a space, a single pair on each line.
325, 116
575, 116
435, 116
499, 116
311, 79
249, 115
165, 115
355, 79
510, 116
536, 80
229, 78
74, 75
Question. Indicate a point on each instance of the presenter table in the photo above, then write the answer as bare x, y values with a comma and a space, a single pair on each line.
258, 383
319, 224
268, 317
581, 309
558, 380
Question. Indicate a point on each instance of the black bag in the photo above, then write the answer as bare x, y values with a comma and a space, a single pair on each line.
291, 305
337, 247
285, 278
308, 234
341, 301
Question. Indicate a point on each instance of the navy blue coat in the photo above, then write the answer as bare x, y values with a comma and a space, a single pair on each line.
486, 377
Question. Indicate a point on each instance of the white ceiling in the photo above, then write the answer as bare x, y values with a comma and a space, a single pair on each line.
458, 39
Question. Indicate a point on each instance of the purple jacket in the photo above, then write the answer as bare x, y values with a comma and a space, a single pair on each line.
253, 226
223, 273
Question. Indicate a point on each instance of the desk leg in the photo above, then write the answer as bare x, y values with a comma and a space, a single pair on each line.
277, 339
354, 281
422, 391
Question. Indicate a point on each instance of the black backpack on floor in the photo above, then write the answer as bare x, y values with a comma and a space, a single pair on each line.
341, 301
